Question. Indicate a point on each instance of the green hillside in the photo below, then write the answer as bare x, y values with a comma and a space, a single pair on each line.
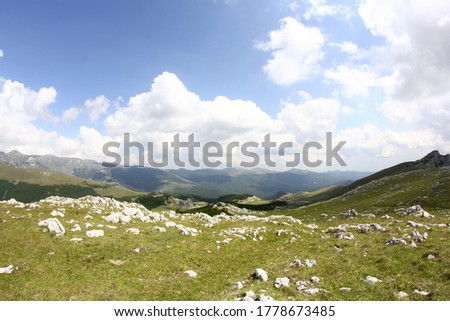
29, 185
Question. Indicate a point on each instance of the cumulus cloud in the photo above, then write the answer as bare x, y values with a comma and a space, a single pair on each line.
416, 42
354, 80
70, 114
97, 107
1, 53
296, 51
18, 101
311, 119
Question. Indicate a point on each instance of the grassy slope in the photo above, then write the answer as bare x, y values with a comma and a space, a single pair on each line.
30, 185
52, 268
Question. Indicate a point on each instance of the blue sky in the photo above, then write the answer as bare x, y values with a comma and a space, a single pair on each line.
75, 74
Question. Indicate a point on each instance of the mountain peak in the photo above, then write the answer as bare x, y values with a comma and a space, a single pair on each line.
433, 160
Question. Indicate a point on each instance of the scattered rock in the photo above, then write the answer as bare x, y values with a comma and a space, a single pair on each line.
88, 217
416, 211
315, 279
431, 256
345, 235
417, 237
238, 285
191, 274
117, 262
263, 297
76, 239
371, 279
412, 245
296, 262
350, 214
95, 233
424, 293
310, 263
281, 232
57, 213
133, 230
345, 289
414, 224
311, 291
260, 274
281, 282
75, 228
402, 294
160, 229
249, 296
395, 241
137, 250
54, 226
7, 270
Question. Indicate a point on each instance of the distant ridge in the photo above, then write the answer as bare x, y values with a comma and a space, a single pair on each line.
432, 160
207, 182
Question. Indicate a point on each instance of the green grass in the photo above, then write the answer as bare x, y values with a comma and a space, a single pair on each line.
29, 185
53, 268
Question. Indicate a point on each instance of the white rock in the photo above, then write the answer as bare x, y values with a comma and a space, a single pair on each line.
421, 292
133, 230
75, 228
95, 233
296, 263
281, 282
371, 279
54, 226
76, 239
250, 294
238, 285
136, 250
170, 224
263, 297
311, 291
345, 289
402, 294
247, 298
88, 217
412, 245
315, 279
431, 256
7, 270
191, 274
395, 241
310, 263
57, 213
260, 274
160, 229
88, 225
417, 237
112, 227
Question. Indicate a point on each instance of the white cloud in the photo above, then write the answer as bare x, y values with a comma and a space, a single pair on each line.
319, 9
311, 119
417, 45
70, 114
293, 6
354, 81
296, 52
16, 99
97, 107
1, 53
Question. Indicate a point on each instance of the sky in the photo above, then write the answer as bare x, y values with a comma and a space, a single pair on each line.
375, 73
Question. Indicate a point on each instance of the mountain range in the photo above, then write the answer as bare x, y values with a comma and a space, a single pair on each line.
210, 183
